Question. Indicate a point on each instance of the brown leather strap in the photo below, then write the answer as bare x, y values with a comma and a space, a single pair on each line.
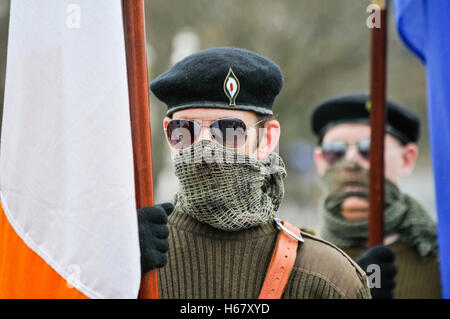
281, 265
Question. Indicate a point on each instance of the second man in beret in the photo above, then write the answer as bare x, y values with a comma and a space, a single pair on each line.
342, 127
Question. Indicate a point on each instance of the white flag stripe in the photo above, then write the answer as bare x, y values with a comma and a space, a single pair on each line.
67, 181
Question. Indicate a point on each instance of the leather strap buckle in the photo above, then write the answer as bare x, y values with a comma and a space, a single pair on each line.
280, 226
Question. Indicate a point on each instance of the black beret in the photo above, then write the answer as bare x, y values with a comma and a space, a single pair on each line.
353, 108
226, 78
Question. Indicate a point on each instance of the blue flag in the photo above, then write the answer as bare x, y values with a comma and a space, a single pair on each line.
424, 27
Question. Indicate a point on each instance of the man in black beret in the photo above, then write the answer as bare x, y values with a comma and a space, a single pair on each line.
342, 127
225, 241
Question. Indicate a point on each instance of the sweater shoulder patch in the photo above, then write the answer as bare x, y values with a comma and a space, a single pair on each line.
323, 259
327, 249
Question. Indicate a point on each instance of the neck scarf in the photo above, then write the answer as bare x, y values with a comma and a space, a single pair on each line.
228, 190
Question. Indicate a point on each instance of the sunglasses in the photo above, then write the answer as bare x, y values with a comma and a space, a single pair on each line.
229, 132
336, 150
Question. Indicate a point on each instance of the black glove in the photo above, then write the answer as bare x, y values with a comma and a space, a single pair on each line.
153, 236
383, 256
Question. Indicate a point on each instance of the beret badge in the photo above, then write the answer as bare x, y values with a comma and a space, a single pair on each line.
231, 87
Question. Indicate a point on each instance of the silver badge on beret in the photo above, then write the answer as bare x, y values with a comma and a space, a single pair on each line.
231, 87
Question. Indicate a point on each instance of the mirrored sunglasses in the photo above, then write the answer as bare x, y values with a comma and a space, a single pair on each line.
229, 132
334, 151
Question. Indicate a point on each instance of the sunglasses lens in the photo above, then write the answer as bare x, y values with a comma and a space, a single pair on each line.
364, 149
334, 151
229, 132
182, 133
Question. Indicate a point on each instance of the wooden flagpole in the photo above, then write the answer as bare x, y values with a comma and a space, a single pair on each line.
134, 26
377, 123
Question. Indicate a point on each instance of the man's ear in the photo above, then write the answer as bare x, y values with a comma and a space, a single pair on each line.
269, 137
165, 122
409, 156
321, 164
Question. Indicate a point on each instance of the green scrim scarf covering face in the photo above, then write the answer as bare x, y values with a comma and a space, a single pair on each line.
226, 189
402, 215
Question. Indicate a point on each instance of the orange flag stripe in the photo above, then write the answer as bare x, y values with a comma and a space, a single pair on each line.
25, 275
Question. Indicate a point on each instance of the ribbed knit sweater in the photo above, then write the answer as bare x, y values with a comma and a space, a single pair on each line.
212, 264
417, 277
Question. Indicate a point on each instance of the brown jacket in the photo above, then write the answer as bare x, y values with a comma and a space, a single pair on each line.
208, 263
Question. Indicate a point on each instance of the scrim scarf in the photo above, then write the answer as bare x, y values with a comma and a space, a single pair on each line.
228, 190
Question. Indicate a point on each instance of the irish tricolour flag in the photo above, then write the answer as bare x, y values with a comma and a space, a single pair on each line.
68, 224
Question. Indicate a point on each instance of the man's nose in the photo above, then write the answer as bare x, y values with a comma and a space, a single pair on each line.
352, 153
354, 156
204, 134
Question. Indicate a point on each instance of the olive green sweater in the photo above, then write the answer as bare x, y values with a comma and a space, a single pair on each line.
417, 277
212, 264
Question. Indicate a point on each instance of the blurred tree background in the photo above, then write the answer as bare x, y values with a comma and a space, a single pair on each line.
323, 49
